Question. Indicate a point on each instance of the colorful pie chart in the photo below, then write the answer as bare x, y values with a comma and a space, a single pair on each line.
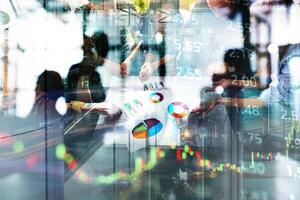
156, 97
178, 109
147, 128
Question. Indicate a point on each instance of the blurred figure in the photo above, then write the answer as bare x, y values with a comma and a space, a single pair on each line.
142, 31
237, 67
49, 104
283, 92
48, 109
84, 85
35, 162
157, 57
83, 81
84, 90
145, 44
49, 89
287, 88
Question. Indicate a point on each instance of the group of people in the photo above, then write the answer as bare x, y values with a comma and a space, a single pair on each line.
83, 86
83, 82
145, 55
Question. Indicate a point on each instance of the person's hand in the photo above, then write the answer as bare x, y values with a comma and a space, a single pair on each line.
197, 109
146, 71
225, 83
124, 69
77, 106
117, 69
103, 107
203, 107
100, 108
262, 6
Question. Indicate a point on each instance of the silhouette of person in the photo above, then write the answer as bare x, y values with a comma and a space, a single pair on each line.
237, 66
48, 109
83, 81
84, 87
49, 89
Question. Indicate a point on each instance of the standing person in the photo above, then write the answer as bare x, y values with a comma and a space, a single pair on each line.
141, 31
84, 82
149, 34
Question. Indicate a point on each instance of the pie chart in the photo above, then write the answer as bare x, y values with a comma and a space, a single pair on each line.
178, 109
156, 97
147, 128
